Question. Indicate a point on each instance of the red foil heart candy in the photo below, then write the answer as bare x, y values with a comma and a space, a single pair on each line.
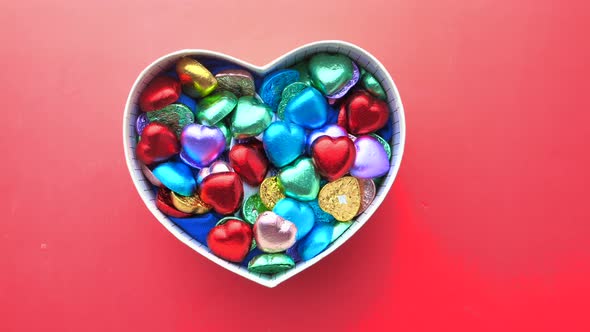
361, 113
230, 240
161, 92
158, 143
333, 157
223, 191
249, 161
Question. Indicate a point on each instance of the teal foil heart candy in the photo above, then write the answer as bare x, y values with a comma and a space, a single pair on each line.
299, 213
250, 118
175, 116
215, 107
177, 177
300, 180
308, 109
289, 92
283, 142
330, 72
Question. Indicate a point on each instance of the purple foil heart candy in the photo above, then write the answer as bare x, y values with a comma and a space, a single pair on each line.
201, 145
371, 158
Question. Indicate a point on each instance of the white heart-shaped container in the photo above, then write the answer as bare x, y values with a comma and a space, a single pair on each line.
359, 55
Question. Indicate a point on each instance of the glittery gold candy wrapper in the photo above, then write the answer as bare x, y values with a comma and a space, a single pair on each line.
189, 204
270, 192
341, 198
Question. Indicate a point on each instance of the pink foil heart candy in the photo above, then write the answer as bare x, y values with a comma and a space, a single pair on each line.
273, 233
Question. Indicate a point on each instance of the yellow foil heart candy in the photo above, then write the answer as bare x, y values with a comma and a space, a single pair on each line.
341, 198
197, 81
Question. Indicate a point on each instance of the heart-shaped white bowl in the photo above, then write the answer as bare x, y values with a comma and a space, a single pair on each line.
359, 55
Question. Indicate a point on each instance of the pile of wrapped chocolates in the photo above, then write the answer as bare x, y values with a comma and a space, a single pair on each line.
265, 170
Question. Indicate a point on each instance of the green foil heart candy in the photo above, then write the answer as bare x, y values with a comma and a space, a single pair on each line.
304, 76
215, 107
175, 116
330, 72
226, 132
300, 180
270, 263
250, 118
370, 83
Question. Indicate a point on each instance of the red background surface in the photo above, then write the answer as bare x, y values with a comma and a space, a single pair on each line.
485, 229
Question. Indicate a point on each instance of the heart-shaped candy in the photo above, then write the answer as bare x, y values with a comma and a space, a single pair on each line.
249, 161
298, 213
300, 180
332, 130
218, 166
157, 143
303, 70
164, 204
274, 84
176, 176
215, 107
330, 72
250, 118
201, 145
270, 263
274, 233
237, 81
308, 109
289, 92
283, 142
371, 158
189, 204
341, 198
362, 113
223, 191
175, 116
333, 157
161, 92
320, 238
370, 83
197, 81
230, 240
226, 133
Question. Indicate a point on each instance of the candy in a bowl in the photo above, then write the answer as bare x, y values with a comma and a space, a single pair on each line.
265, 170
